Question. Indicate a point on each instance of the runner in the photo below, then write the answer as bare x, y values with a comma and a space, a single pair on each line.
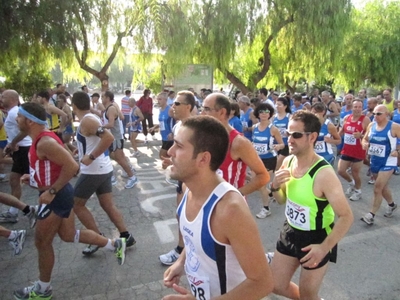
381, 142
52, 167
231, 268
308, 238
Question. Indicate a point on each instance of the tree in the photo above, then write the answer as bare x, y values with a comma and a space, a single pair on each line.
245, 40
371, 50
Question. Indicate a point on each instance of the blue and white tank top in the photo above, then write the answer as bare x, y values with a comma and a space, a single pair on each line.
166, 123
282, 125
263, 141
134, 119
343, 114
381, 144
212, 268
321, 147
396, 116
246, 123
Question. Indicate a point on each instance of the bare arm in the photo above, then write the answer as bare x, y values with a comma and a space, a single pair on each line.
278, 138
112, 115
324, 180
243, 149
89, 127
335, 138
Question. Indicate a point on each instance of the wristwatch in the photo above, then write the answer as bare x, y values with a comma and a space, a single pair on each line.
272, 189
52, 191
92, 157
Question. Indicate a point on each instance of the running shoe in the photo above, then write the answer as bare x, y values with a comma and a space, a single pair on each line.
396, 171
33, 292
350, 189
368, 218
131, 182
270, 256
125, 175
120, 247
90, 249
7, 217
32, 216
390, 210
355, 196
135, 154
371, 181
169, 258
113, 180
130, 241
18, 241
263, 213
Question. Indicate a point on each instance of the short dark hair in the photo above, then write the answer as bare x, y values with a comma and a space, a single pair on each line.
222, 101
83, 87
35, 109
81, 100
110, 95
146, 91
58, 85
170, 93
264, 106
310, 121
44, 94
209, 135
285, 102
189, 98
264, 91
63, 97
235, 107
319, 107
297, 97
127, 92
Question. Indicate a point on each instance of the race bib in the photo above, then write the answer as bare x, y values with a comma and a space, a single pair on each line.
349, 139
377, 150
320, 147
32, 181
199, 285
244, 124
298, 216
282, 131
162, 126
261, 148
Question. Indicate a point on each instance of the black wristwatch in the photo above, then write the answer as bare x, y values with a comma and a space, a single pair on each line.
52, 191
91, 156
99, 131
275, 189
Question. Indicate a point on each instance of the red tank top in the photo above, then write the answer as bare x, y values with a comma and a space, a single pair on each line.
233, 171
352, 146
43, 172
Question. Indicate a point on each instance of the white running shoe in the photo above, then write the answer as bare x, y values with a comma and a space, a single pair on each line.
132, 181
355, 196
350, 189
368, 218
18, 241
263, 213
390, 210
169, 258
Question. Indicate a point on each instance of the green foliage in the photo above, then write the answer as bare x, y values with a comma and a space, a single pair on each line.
27, 82
371, 46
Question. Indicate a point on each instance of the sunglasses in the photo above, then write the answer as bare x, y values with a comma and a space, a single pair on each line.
266, 111
296, 135
176, 103
377, 113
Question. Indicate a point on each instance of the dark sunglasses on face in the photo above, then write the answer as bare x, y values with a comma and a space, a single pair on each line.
176, 103
377, 113
296, 135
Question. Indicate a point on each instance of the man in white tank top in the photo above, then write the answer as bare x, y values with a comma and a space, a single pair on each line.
217, 258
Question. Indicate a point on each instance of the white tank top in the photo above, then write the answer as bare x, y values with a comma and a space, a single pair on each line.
102, 164
212, 268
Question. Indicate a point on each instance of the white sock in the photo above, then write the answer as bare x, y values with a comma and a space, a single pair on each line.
77, 235
13, 210
12, 235
109, 245
43, 286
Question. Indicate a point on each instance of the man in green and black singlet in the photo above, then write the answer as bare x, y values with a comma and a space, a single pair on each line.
312, 194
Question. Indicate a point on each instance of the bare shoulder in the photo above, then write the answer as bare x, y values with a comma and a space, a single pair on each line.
232, 204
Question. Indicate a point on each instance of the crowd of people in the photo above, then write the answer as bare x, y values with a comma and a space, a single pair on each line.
284, 146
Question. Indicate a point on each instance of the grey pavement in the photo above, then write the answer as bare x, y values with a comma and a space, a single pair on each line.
368, 264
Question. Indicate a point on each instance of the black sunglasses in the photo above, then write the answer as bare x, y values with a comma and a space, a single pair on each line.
377, 113
296, 135
176, 103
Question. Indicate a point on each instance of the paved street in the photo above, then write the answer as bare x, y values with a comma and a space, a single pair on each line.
368, 261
